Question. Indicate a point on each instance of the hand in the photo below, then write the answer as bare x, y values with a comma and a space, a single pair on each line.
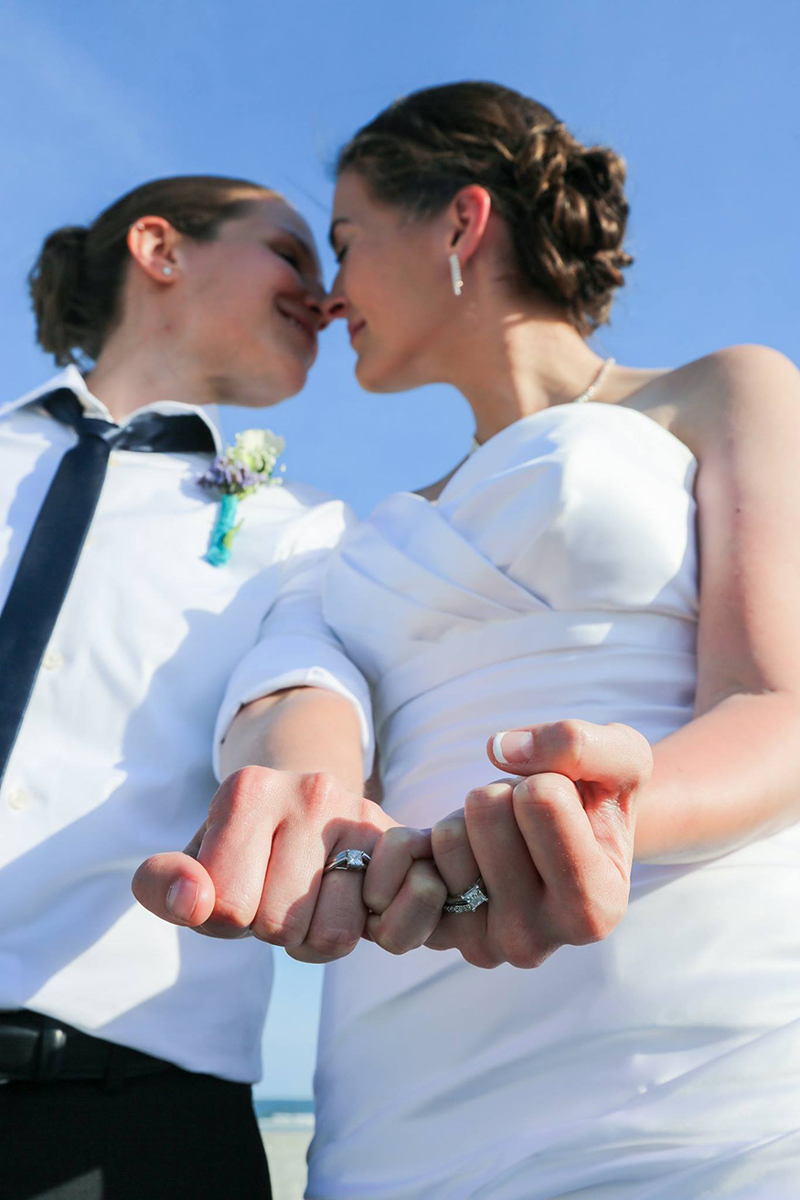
255, 865
554, 849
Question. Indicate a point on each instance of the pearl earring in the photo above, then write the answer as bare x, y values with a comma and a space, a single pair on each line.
455, 274
166, 270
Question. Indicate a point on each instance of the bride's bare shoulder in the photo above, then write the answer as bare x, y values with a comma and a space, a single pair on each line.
713, 398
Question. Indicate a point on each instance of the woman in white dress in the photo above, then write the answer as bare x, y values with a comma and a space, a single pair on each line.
553, 576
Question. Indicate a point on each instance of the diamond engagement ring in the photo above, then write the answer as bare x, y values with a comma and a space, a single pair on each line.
468, 901
348, 860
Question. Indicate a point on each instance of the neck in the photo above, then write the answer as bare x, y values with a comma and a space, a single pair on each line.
512, 363
128, 377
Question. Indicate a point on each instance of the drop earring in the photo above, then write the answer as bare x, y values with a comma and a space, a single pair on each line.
455, 274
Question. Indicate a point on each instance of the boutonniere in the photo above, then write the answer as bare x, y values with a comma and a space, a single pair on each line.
246, 466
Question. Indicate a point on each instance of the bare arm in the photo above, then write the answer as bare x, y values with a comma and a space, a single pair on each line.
733, 773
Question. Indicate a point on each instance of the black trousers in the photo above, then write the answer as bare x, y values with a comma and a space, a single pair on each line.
169, 1136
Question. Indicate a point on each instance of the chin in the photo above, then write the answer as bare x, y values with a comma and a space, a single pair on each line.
290, 381
265, 393
382, 382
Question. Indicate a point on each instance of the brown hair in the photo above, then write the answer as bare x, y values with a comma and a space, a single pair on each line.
563, 203
76, 280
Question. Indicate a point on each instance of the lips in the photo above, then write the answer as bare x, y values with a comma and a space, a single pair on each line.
354, 329
303, 321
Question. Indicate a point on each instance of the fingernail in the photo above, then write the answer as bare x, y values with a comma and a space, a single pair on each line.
513, 746
182, 898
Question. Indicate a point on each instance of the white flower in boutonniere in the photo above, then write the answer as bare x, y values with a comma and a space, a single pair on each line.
246, 466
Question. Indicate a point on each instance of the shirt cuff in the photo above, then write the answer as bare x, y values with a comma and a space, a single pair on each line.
295, 662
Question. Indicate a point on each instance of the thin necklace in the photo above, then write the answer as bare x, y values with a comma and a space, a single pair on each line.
589, 394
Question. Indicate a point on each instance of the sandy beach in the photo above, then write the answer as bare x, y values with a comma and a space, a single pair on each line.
286, 1137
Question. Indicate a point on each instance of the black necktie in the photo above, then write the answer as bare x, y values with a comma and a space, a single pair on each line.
54, 546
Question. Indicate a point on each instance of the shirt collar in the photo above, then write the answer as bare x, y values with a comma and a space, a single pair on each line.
71, 378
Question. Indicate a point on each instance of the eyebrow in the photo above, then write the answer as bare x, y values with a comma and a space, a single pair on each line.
332, 231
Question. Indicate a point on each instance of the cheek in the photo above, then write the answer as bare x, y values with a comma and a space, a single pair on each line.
249, 286
389, 297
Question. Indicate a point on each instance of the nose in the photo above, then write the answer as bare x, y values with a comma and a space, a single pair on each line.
334, 306
314, 301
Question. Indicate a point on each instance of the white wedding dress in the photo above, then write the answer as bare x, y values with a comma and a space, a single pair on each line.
555, 577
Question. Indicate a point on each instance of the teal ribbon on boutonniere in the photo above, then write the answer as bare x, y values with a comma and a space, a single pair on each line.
244, 467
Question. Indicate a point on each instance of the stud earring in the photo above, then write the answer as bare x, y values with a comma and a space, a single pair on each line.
166, 270
455, 274
140, 226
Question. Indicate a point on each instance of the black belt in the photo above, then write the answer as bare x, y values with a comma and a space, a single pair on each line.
39, 1049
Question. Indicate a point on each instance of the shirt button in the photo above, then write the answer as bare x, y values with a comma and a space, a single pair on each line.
53, 660
19, 798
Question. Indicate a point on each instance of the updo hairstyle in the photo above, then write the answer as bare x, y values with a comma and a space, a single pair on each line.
563, 203
76, 281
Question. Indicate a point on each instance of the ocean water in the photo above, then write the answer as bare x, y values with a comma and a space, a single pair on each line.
286, 1128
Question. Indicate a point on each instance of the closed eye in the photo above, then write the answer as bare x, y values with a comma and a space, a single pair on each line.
290, 256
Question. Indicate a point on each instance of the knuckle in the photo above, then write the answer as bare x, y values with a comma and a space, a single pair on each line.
390, 941
237, 795
428, 890
483, 805
318, 790
401, 839
231, 914
545, 795
439, 940
285, 933
523, 945
569, 739
593, 923
528, 958
482, 958
333, 942
448, 834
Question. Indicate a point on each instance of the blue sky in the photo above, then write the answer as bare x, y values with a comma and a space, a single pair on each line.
699, 96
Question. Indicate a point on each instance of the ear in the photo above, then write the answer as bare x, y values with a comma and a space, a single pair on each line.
468, 215
152, 242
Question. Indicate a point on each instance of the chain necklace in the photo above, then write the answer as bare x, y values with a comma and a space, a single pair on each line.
589, 394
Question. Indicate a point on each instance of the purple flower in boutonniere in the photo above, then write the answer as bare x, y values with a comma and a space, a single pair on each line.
246, 466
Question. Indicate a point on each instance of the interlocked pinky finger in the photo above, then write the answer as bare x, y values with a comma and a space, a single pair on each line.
414, 913
393, 855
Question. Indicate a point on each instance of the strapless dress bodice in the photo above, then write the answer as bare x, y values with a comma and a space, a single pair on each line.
556, 575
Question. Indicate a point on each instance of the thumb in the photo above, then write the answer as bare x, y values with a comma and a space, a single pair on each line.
615, 756
176, 887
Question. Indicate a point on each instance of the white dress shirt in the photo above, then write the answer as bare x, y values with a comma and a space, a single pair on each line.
153, 653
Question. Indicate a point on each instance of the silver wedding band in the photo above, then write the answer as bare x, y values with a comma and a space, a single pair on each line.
467, 901
348, 860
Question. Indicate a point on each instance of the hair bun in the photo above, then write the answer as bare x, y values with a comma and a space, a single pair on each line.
55, 288
573, 221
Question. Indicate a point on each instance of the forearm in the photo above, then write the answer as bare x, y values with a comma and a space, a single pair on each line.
305, 730
727, 778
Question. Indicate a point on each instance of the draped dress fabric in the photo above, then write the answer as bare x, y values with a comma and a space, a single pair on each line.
555, 577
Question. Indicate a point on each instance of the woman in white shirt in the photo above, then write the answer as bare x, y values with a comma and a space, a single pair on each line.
121, 1037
